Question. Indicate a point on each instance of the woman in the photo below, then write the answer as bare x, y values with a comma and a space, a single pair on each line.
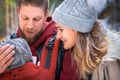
80, 32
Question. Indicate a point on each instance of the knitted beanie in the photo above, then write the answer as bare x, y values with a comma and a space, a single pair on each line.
75, 14
22, 52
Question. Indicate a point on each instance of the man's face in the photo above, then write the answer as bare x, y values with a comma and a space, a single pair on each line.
31, 22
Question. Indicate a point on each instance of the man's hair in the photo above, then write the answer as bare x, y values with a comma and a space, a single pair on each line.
37, 3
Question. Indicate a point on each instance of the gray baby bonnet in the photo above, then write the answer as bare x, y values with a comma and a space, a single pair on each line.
22, 52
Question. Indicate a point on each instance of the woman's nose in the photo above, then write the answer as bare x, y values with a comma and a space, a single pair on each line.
58, 35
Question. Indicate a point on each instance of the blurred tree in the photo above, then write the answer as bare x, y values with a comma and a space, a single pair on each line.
111, 15
7, 16
53, 5
2, 18
10, 18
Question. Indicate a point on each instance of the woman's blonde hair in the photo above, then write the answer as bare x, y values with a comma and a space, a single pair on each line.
89, 49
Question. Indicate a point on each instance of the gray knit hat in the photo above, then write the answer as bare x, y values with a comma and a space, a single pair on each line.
75, 14
22, 52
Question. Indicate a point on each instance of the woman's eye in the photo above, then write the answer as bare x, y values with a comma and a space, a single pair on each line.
61, 30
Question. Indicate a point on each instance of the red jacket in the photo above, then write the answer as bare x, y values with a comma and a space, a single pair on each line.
68, 71
32, 72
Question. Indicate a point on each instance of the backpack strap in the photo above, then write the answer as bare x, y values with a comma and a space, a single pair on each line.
49, 46
60, 61
14, 35
60, 56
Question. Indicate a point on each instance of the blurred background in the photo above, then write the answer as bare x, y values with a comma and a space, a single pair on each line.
105, 9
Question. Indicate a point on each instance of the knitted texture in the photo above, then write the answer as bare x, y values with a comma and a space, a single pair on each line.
22, 52
114, 45
75, 14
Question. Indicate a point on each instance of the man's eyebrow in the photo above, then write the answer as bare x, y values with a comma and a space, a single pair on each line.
23, 15
38, 17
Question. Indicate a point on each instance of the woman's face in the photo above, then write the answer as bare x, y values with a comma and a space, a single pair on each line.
67, 35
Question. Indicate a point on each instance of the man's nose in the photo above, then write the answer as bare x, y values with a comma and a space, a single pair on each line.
30, 24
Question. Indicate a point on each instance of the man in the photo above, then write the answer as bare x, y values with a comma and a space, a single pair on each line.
37, 29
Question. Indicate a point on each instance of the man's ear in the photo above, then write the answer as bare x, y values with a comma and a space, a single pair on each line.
17, 10
46, 15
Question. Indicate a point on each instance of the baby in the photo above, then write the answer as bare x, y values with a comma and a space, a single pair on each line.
22, 52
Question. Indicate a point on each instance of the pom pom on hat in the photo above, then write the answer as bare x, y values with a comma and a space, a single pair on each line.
98, 5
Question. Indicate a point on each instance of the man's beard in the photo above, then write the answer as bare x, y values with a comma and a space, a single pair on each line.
33, 39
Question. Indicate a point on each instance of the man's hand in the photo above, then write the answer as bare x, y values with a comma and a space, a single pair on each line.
6, 56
